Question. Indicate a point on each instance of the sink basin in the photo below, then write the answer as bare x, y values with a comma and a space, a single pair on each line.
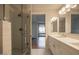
76, 45
70, 40
60, 36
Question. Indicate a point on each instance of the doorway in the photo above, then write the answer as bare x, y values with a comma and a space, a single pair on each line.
38, 31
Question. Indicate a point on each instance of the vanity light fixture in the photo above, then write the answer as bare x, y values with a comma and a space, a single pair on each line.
70, 5
74, 6
62, 12
54, 19
66, 8
63, 9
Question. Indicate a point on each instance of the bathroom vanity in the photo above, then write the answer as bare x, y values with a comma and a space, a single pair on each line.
62, 45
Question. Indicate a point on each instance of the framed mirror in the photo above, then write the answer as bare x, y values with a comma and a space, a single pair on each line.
75, 23
61, 24
54, 26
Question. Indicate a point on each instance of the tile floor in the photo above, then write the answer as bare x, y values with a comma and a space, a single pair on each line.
40, 52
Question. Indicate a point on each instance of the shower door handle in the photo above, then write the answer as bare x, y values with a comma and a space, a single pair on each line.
20, 29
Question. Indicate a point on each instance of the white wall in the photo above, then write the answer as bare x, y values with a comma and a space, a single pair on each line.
68, 23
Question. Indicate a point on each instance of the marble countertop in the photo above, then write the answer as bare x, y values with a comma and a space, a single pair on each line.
67, 40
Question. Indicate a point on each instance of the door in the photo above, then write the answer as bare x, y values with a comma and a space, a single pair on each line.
17, 39
21, 30
20, 25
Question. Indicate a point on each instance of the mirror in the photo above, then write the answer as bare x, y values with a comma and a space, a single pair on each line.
54, 26
61, 24
75, 23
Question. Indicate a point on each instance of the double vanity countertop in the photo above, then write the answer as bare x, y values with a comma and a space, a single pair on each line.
74, 43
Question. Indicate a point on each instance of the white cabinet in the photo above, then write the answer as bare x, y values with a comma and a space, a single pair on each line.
68, 50
57, 47
51, 45
60, 48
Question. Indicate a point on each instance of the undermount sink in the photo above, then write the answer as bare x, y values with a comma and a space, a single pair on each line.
76, 44
61, 36
70, 40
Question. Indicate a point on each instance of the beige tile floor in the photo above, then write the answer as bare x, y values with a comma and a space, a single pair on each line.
40, 52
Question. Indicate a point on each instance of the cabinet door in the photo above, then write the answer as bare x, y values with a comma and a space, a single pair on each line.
63, 49
68, 50
58, 47
52, 45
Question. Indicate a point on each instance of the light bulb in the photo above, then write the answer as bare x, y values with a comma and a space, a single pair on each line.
74, 6
68, 10
54, 19
60, 12
63, 9
67, 6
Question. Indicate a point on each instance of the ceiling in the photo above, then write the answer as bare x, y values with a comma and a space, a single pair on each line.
16, 6
40, 6
47, 6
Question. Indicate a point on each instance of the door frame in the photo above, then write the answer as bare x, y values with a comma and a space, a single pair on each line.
39, 13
